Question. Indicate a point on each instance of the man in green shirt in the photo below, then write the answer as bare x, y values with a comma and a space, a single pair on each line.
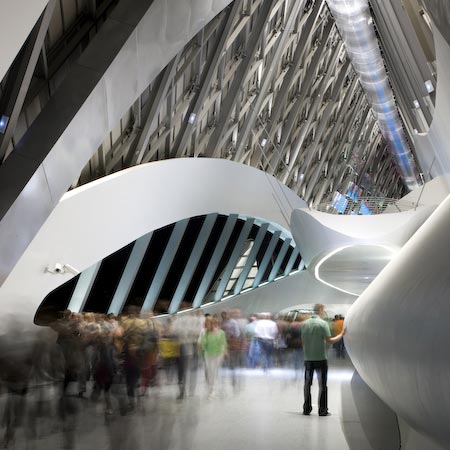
316, 335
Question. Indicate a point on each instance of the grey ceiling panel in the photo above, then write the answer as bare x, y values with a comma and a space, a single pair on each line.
84, 131
16, 229
121, 94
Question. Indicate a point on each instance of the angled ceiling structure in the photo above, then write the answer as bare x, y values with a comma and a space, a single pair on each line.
263, 83
100, 86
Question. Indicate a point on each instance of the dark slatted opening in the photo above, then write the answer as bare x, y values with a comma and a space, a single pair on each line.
297, 262
285, 261
263, 248
225, 258
205, 258
181, 258
107, 279
149, 265
112, 269
273, 258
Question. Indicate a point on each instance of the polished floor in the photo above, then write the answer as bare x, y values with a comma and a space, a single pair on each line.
262, 412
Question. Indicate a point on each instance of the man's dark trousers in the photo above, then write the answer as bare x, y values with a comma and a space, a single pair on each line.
322, 371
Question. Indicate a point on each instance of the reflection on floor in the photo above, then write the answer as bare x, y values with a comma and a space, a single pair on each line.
262, 412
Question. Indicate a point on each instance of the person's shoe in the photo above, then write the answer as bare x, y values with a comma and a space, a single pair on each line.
307, 412
323, 414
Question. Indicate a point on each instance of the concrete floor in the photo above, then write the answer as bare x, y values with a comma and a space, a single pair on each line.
263, 414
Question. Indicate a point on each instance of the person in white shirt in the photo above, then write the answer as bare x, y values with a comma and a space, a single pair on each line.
266, 331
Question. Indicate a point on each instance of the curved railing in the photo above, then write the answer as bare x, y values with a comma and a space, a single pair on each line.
365, 206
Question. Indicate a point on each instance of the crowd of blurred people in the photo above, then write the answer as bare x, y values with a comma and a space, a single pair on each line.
115, 361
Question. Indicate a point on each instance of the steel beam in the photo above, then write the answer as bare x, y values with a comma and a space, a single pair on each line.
83, 288
370, 155
164, 265
329, 140
190, 122
306, 126
305, 90
215, 260
281, 255
311, 152
234, 258
140, 144
354, 142
251, 258
20, 75
291, 262
129, 274
271, 67
266, 259
212, 149
349, 121
301, 46
409, 44
192, 263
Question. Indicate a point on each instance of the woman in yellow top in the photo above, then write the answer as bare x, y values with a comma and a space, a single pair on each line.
214, 346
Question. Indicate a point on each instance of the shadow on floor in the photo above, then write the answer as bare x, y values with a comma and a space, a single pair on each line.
364, 415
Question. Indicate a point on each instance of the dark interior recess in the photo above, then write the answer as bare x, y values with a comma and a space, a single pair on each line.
107, 279
55, 302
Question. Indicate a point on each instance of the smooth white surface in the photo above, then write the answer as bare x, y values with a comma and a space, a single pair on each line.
398, 330
317, 233
17, 19
97, 219
286, 293
352, 268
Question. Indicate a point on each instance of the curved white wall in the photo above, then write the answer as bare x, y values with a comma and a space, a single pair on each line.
398, 330
95, 220
298, 288
317, 233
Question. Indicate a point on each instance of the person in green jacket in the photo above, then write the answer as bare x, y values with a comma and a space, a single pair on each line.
214, 346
